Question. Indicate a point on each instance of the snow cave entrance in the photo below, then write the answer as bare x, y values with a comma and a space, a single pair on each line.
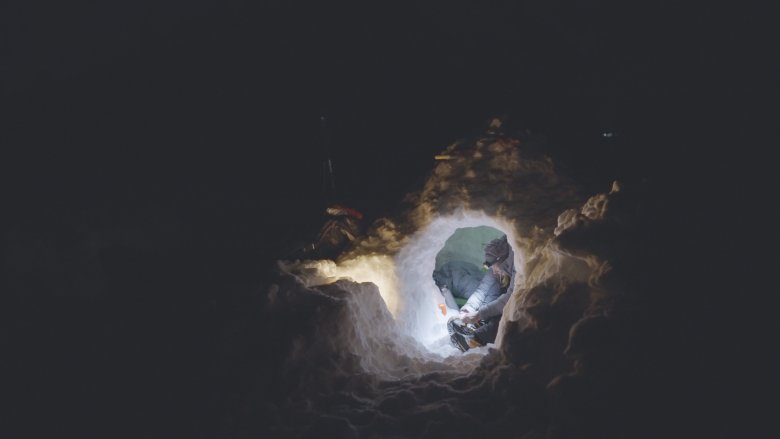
460, 237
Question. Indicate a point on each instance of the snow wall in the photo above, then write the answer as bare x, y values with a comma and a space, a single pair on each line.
366, 332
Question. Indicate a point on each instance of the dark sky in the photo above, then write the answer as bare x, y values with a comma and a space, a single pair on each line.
227, 95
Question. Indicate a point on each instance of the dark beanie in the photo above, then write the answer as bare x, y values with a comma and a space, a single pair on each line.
496, 251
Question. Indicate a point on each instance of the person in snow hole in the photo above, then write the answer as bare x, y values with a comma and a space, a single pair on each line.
477, 324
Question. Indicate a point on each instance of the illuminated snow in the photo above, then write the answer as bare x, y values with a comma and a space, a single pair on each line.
369, 356
406, 285
420, 315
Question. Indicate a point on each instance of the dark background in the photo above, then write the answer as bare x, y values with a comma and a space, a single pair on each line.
160, 101
157, 156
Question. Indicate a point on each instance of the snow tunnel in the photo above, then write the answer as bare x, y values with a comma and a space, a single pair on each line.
458, 237
413, 323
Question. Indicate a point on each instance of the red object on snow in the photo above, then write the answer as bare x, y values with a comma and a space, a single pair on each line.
337, 210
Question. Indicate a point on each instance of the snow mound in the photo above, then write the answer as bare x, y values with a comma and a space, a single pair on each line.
366, 352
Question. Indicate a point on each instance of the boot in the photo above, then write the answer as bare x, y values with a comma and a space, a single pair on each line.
462, 336
456, 325
464, 342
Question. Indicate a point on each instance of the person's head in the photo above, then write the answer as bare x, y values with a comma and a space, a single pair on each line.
496, 252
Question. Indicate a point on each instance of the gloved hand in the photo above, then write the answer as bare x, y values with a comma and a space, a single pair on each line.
469, 317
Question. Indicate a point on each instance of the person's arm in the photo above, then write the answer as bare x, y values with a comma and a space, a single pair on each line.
494, 308
477, 299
